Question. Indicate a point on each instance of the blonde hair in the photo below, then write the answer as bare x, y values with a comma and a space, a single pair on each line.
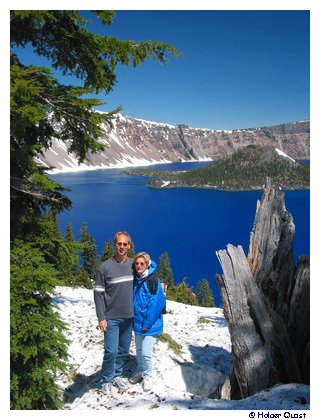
145, 256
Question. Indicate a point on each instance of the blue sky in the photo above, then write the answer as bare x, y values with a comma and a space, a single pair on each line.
240, 68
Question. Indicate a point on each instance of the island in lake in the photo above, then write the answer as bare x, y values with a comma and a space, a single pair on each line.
246, 169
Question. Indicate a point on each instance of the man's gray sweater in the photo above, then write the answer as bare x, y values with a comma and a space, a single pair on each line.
113, 289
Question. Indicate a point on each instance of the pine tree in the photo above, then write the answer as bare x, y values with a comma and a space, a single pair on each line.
73, 248
88, 252
47, 237
73, 274
165, 271
204, 294
108, 251
37, 344
182, 293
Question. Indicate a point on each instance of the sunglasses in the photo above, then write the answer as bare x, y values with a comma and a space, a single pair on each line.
122, 244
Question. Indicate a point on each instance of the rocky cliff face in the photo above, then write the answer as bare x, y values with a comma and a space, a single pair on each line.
133, 142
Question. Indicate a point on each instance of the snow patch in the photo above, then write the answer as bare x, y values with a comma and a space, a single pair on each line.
281, 153
165, 184
181, 381
127, 162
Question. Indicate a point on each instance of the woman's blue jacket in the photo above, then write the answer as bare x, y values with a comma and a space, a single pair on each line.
148, 307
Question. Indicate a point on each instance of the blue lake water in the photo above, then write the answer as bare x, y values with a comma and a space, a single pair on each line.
190, 224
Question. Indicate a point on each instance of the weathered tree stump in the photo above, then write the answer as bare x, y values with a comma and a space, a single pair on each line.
266, 302
261, 350
271, 249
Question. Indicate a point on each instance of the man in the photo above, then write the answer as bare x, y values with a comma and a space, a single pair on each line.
113, 297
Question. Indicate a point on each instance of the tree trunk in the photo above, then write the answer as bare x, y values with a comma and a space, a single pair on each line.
266, 302
261, 350
271, 249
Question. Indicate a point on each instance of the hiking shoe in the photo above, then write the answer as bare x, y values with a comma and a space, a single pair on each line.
137, 377
147, 383
106, 388
119, 383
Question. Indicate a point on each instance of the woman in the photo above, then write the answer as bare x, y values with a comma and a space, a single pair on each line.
149, 302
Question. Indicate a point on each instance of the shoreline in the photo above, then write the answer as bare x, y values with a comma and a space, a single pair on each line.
207, 187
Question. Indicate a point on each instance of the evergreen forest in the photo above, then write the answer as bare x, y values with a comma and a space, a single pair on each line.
246, 169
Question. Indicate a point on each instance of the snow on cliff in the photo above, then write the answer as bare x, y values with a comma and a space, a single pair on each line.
281, 153
136, 142
185, 380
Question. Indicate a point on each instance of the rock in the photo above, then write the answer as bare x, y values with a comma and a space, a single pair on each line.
133, 141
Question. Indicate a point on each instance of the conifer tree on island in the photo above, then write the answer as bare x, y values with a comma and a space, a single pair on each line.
42, 108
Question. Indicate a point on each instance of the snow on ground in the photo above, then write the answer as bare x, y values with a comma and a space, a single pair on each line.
181, 380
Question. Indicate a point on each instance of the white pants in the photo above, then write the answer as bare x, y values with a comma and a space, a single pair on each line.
144, 350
